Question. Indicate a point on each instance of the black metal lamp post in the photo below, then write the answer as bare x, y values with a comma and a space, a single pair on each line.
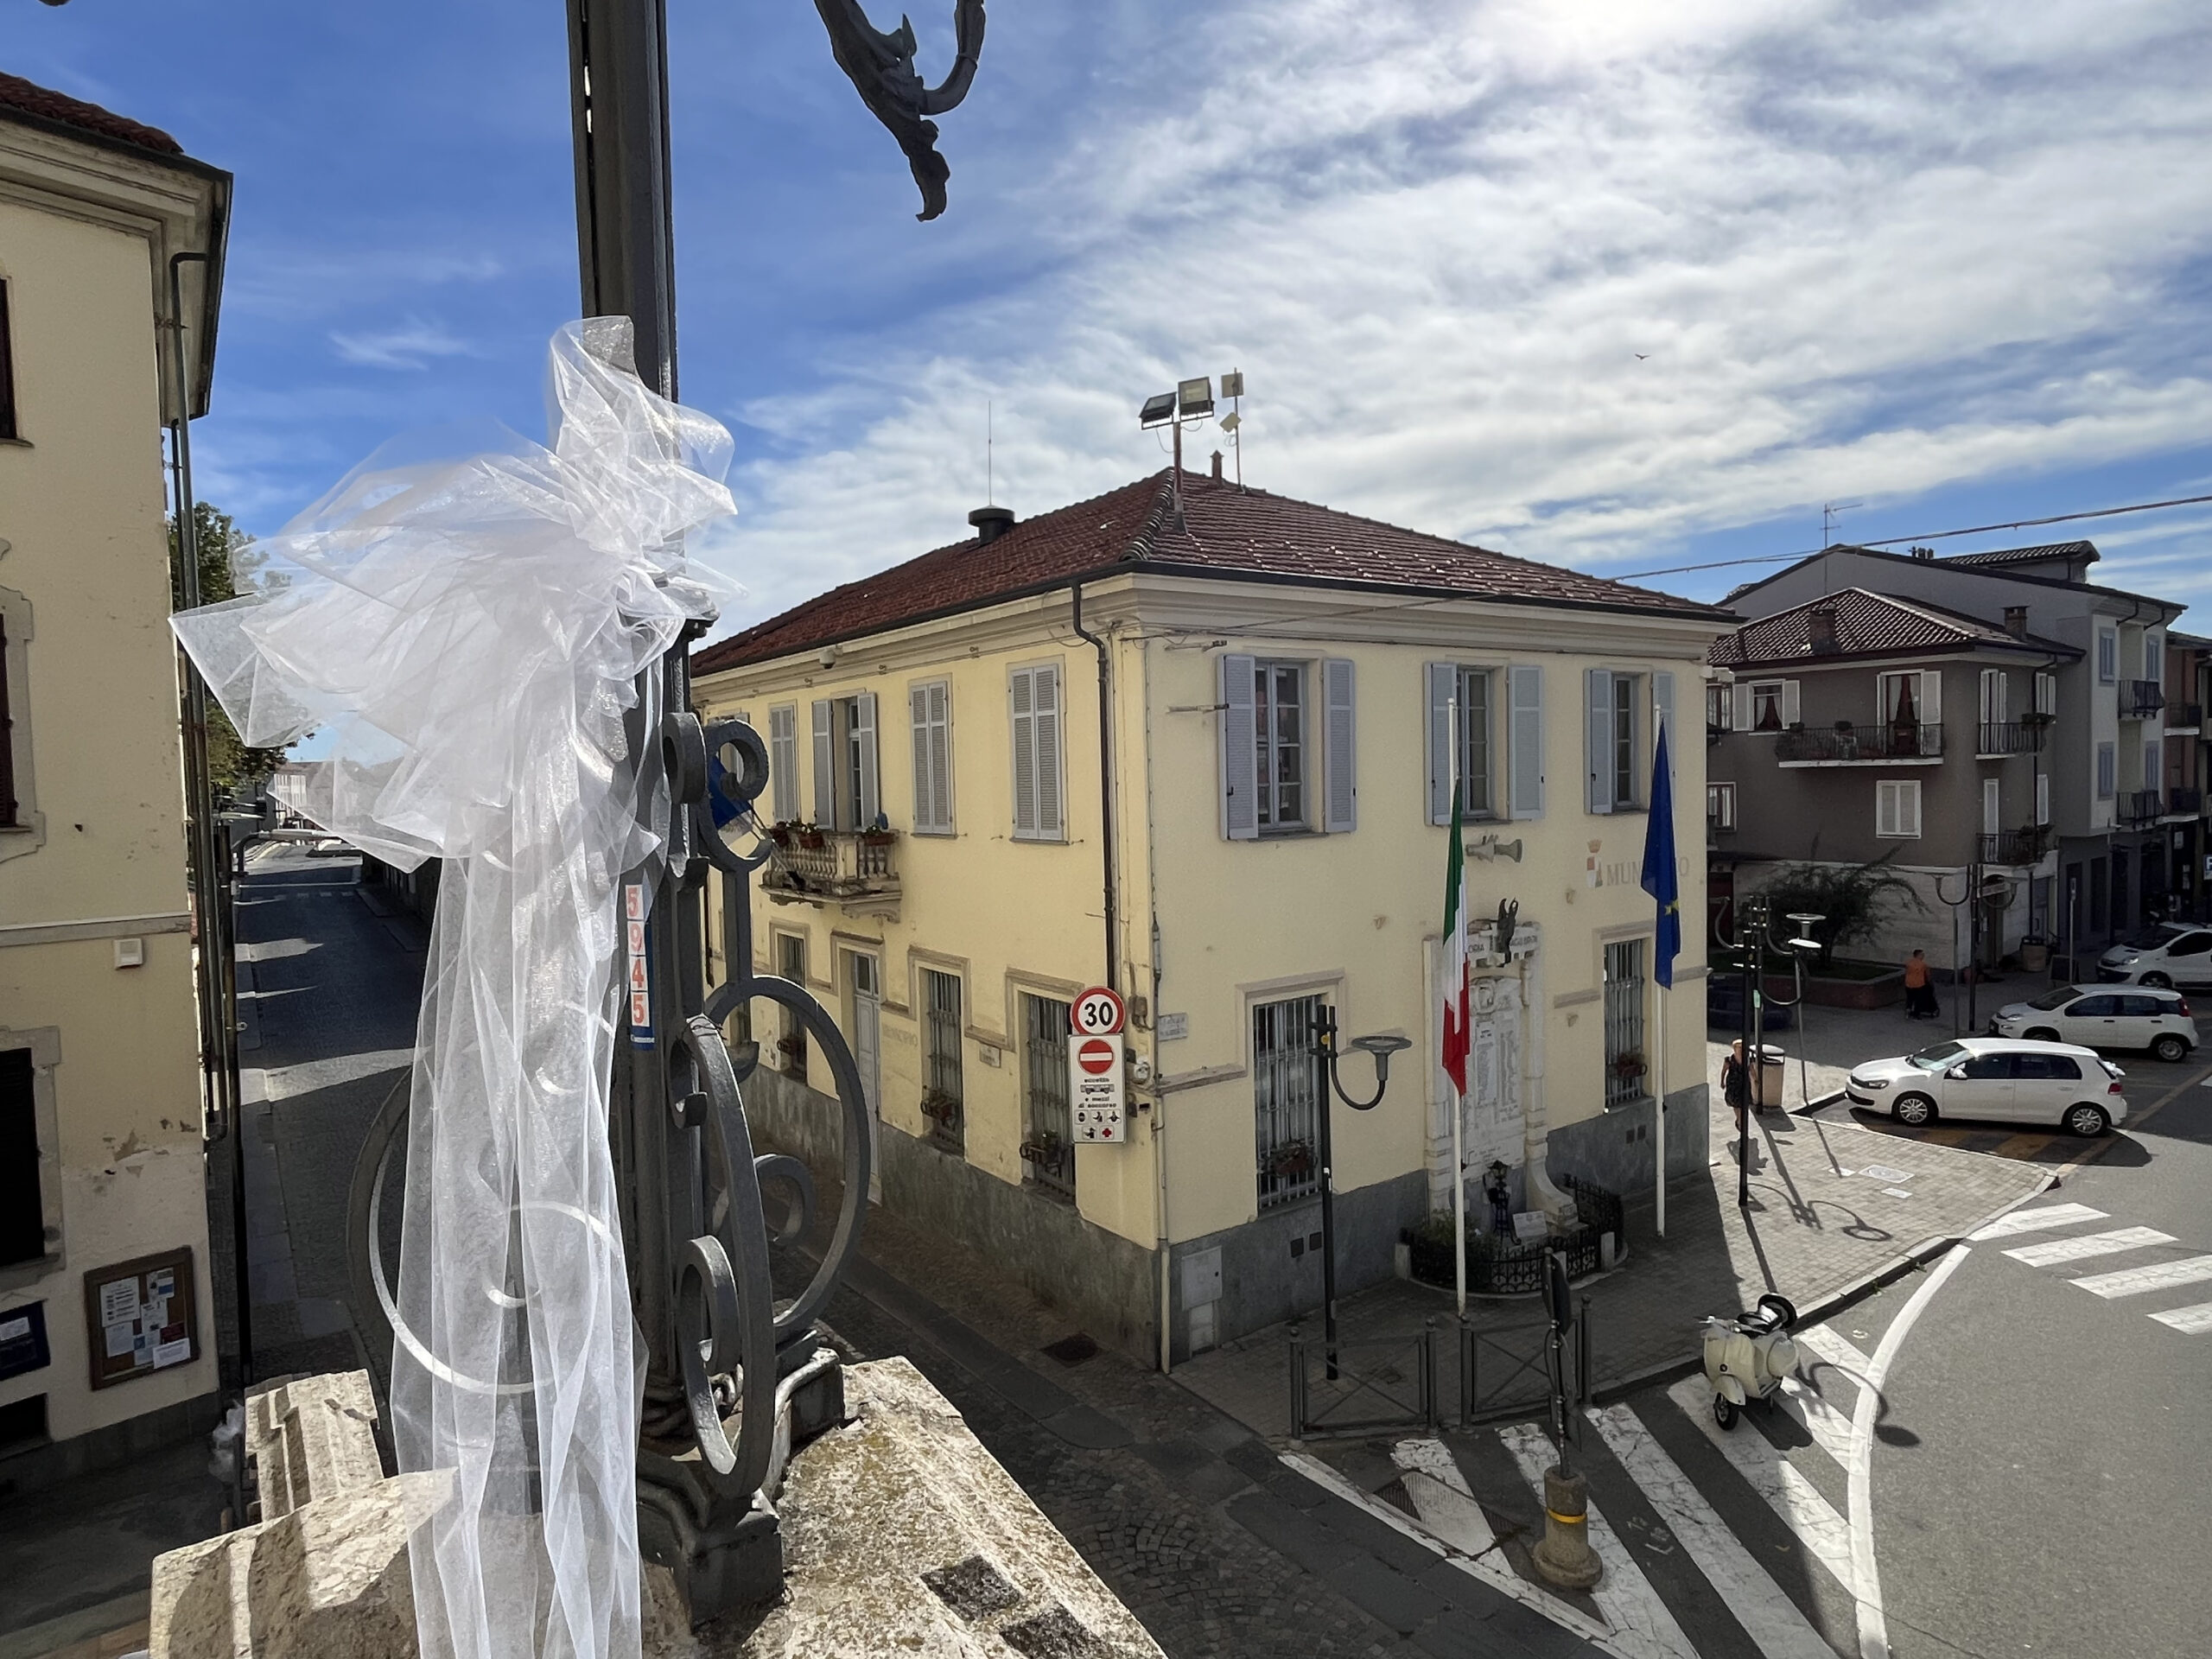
1382, 1048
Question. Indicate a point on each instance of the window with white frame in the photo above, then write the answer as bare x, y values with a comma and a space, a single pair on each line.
1993, 696
846, 791
1896, 809
1281, 745
1768, 711
928, 707
2046, 692
1992, 807
2042, 799
783, 762
1617, 739
1039, 811
1287, 748
2108, 771
2108, 655
1499, 713
1720, 806
1717, 715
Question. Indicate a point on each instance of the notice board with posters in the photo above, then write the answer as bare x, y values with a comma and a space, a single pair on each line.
140, 1317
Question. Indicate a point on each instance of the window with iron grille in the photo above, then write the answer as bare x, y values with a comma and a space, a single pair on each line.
791, 1045
7, 738
941, 1081
1048, 1144
1626, 1075
1287, 1087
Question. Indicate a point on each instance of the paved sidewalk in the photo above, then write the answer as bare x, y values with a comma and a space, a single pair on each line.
1835, 1210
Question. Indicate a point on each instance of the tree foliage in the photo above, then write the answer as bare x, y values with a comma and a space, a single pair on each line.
227, 558
1853, 900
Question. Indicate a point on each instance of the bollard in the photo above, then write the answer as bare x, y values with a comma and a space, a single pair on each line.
1565, 1556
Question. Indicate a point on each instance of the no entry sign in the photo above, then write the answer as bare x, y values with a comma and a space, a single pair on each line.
1098, 1105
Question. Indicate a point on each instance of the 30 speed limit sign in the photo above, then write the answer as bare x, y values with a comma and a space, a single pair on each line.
1097, 1104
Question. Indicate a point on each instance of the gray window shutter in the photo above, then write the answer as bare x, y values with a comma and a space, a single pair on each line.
1790, 712
825, 769
1240, 759
1025, 755
940, 763
1662, 701
917, 720
1341, 791
871, 800
1525, 740
1051, 822
783, 761
1442, 680
1596, 739
1739, 704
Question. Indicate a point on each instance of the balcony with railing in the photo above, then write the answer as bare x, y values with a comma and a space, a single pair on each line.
2015, 847
2141, 806
2140, 699
1996, 738
2183, 801
1847, 744
2184, 717
856, 869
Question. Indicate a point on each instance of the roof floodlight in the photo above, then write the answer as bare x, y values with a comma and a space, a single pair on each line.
1195, 396
1231, 421
1232, 384
1157, 411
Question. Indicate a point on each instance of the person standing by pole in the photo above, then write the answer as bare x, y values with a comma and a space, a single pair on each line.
1453, 990
1659, 880
1919, 994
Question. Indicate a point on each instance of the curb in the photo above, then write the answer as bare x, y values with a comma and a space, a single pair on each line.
1609, 1389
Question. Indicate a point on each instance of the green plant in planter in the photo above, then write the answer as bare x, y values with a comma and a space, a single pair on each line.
1853, 900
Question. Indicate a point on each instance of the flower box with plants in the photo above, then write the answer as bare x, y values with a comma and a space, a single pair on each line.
1292, 1161
940, 1108
1046, 1151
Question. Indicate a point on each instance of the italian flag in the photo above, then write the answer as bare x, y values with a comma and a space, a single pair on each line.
1453, 980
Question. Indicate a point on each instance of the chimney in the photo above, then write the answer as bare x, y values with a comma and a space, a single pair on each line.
1216, 464
2016, 621
990, 524
1820, 628
1922, 552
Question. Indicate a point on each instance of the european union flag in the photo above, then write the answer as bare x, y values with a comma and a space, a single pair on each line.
1659, 865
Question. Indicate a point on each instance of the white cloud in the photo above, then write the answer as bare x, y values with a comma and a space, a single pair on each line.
1868, 253
409, 346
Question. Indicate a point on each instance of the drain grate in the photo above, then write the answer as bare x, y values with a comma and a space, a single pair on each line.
1072, 1351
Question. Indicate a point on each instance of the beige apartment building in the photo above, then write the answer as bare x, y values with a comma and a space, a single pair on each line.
1204, 734
107, 1340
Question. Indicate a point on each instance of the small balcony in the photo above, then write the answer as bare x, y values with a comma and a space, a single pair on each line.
855, 869
2015, 847
1847, 744
2184, 717
2183, 801
2141, 806
2140, 699
1994, 739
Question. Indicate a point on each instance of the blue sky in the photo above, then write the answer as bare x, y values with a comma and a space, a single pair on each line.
1952, 261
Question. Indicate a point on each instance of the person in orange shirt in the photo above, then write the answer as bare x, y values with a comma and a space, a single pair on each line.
1919, 993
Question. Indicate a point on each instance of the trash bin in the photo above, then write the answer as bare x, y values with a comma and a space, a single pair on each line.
1767, 1086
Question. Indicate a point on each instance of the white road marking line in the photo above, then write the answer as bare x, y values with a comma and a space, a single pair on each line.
2035, 1221
1873, 1626
1499, 1577
1768, 1616
1440, 1494
2189, 1321
1826, 1342
1794, 1500
1829, 1428
1641, 1621
2052, 1251
2135, 1281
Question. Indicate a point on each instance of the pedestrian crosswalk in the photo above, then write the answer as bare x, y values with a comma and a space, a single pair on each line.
2115, 1284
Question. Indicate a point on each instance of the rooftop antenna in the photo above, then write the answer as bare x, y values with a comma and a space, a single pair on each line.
990, 477
1191, 401
1831, 512
1232, 387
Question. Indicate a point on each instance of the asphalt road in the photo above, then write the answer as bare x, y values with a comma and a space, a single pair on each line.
2036, 1476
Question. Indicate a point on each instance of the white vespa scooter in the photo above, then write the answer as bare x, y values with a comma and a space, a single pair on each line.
1747, 1357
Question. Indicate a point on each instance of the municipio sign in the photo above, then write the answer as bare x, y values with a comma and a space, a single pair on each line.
1098, 1103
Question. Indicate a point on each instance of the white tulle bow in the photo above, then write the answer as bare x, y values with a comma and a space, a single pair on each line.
466, 632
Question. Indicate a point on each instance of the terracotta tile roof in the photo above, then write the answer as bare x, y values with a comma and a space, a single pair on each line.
1226, 531
1866, 625
2085, 552
26, 98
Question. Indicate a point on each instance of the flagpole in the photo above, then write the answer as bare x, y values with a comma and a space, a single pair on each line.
1459, 1096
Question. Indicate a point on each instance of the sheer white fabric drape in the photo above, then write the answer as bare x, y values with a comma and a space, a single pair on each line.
466, 633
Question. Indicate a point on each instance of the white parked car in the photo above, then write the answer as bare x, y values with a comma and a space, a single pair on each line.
2004, 1079
2104, 1017
2181, 954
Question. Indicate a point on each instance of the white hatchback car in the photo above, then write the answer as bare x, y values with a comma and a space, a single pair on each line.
2104, 1016
2180, 955
2001, 1079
